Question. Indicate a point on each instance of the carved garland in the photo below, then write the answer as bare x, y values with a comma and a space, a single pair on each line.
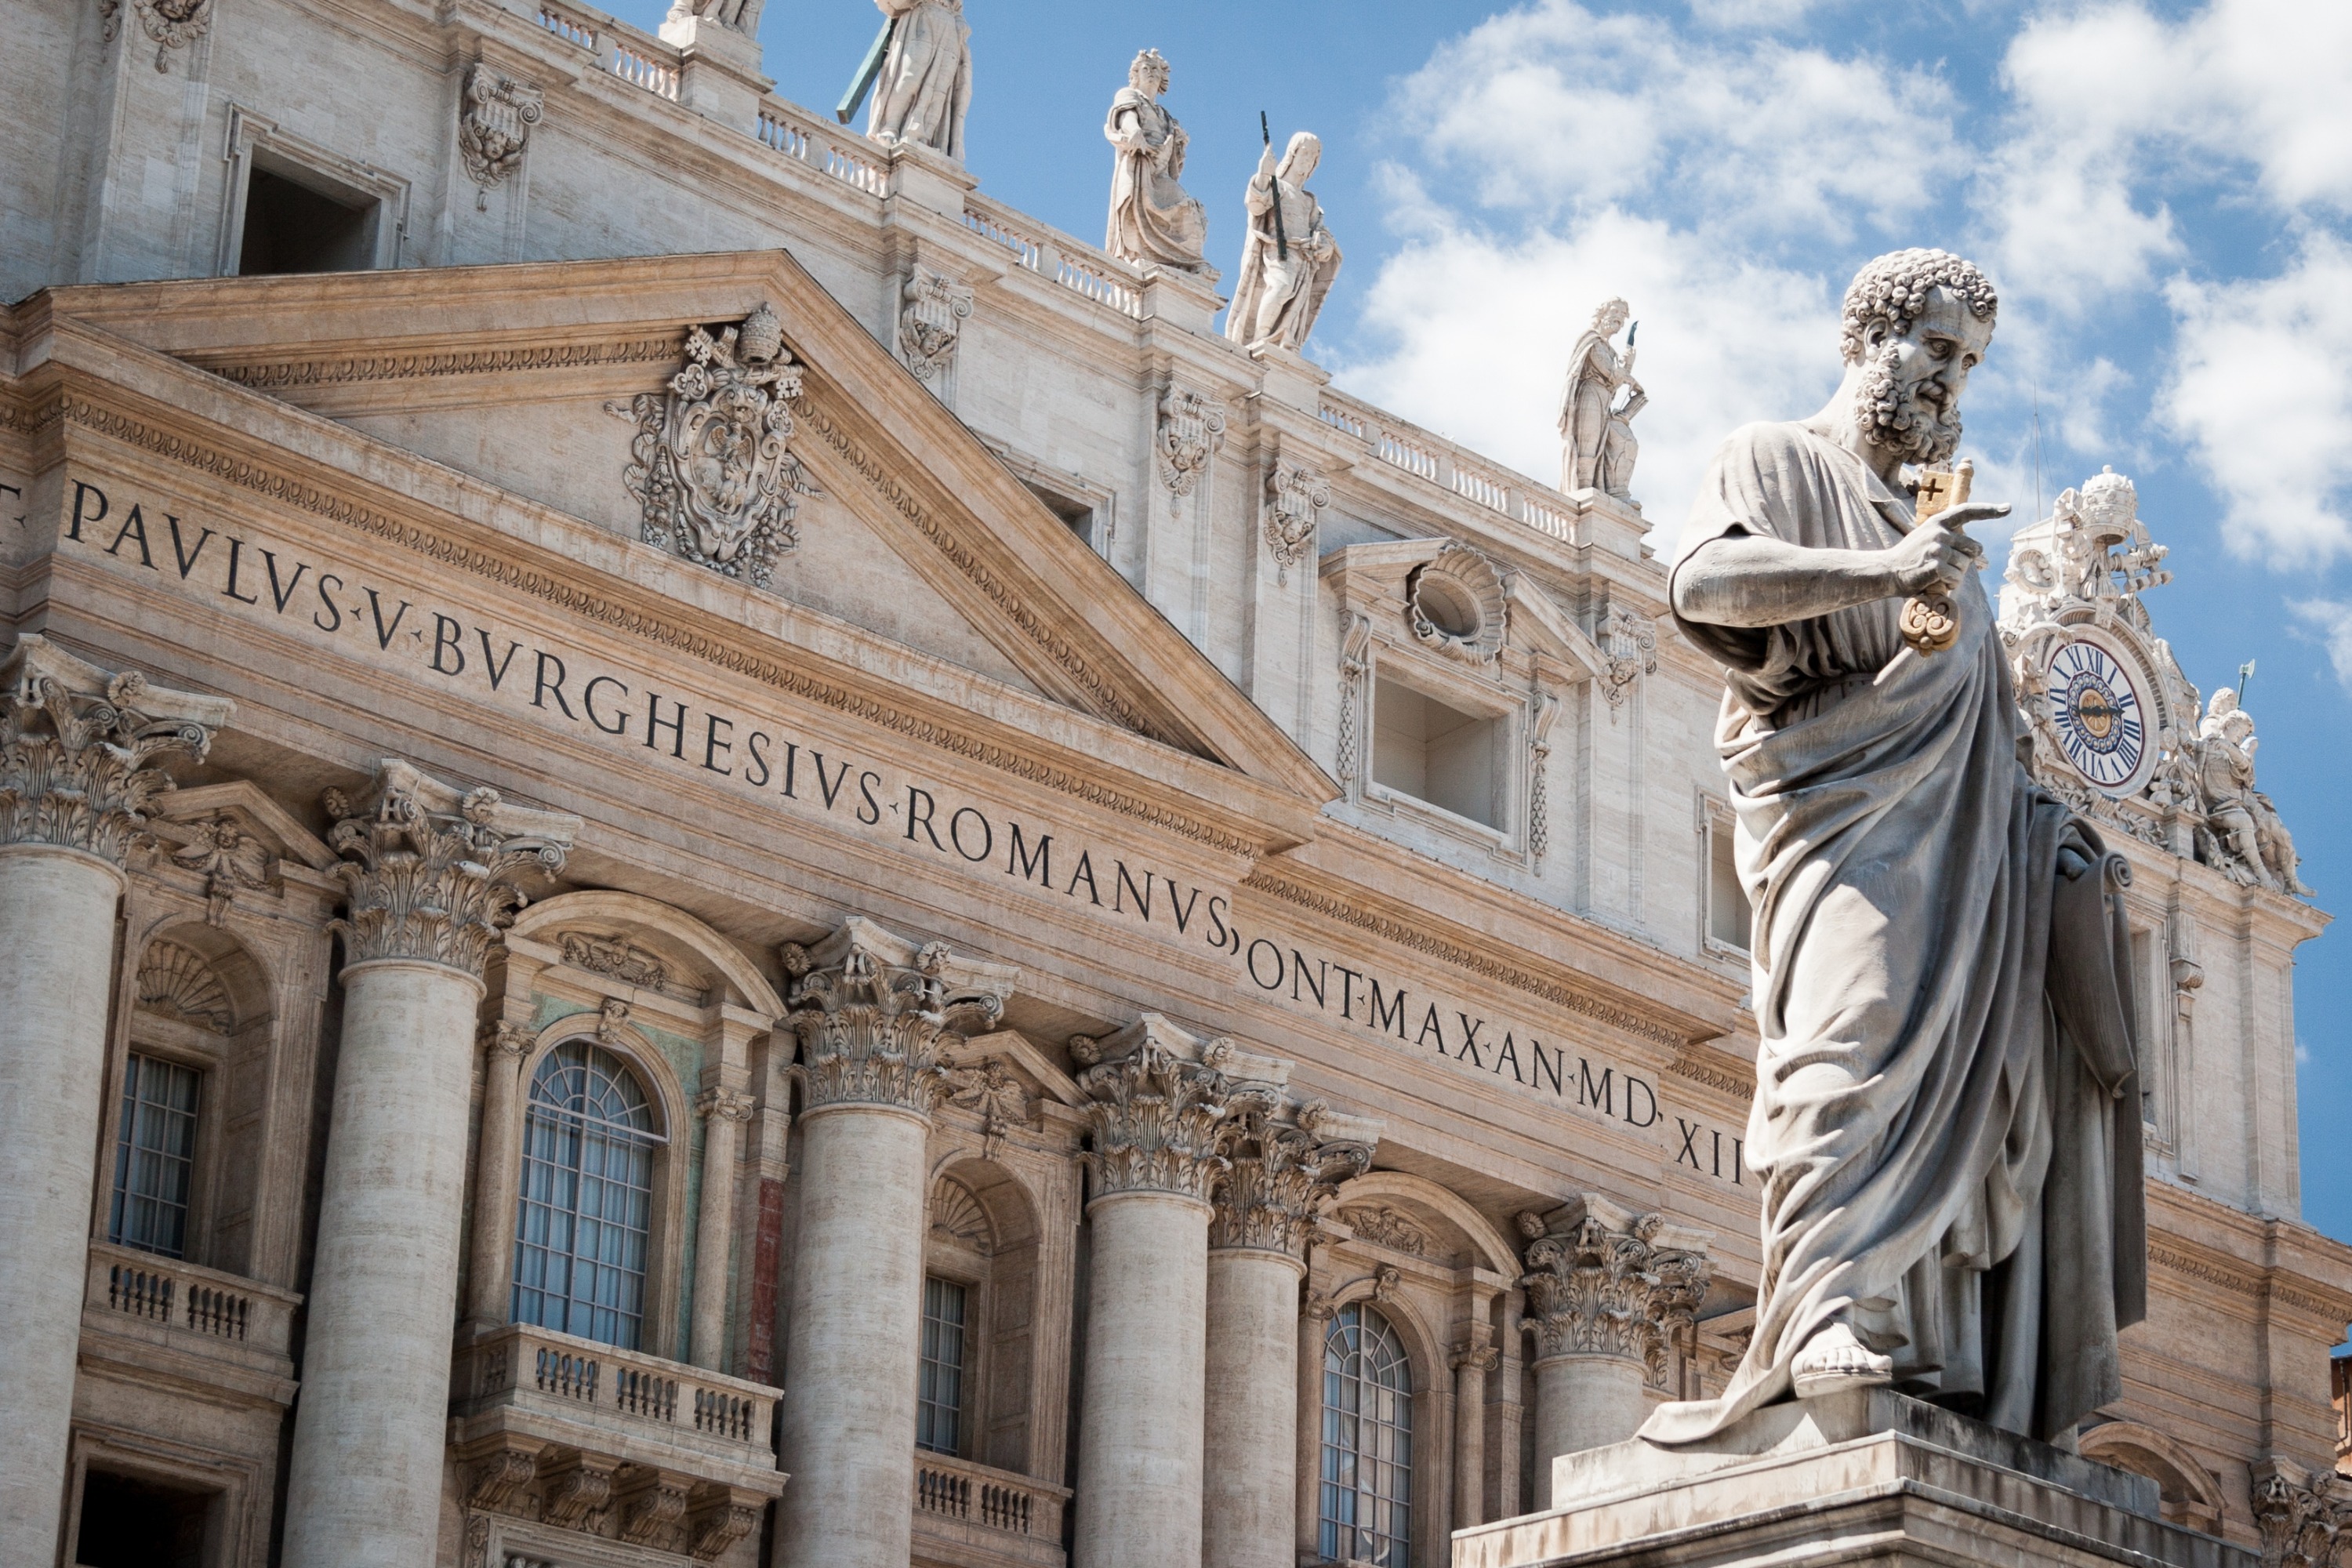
1191, 430
1295, 500
931, 314
1355, 661
593, 608
1631, 643
494, 127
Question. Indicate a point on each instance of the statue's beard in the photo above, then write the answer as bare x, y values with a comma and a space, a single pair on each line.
1895, 416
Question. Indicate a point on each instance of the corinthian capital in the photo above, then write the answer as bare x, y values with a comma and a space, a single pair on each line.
1162, 1098
1602, 1280
876, 1015
429, 873
2299, 1516
77, 745
1283, 1163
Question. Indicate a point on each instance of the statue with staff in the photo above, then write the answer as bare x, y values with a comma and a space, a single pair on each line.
1596, 431
919, 72
1289, 260
1946, 1123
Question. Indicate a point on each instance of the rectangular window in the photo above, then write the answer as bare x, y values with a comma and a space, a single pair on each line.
292, 226
1727, 915
1424, 749
154, 1156
938, 1417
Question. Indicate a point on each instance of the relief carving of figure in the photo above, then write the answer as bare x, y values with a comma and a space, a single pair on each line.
1152, 222
1596, 431
1947, 1125
1289, 260
926, 81
2244, 838
712, 464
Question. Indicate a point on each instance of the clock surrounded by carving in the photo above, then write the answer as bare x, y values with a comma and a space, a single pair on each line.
2100, 712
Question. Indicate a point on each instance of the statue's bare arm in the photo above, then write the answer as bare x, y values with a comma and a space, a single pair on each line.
1746, 580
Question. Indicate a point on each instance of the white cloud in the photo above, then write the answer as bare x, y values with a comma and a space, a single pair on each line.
1480, 327
2261, 388
1555, 110
2330, 621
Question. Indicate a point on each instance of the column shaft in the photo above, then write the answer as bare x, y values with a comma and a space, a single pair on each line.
366, 1486
1312, 1326
1250, 1479
1470, 1437
1141, 1433
854, 1340
714, 1227
489, 1274
1583, 1401
57, 939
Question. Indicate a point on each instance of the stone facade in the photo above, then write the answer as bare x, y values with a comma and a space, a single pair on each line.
1068, 839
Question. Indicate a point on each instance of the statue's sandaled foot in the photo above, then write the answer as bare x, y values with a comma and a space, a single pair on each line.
1834, 1361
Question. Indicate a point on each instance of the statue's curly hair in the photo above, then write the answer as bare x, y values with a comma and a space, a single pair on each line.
1894, 289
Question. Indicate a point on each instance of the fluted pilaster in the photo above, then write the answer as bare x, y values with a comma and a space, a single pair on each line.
431, 873
79, 755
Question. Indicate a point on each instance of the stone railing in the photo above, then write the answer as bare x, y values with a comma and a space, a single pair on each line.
838, 154
634, 56
544, 1376
1458, 468
197, 1309
1073, 264
967, 1502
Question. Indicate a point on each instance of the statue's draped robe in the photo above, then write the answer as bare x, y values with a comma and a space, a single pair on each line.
1152, 221
1946, 1126
925, 84
1594, 374
1276, 298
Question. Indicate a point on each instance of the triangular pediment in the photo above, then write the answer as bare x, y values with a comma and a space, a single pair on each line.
534, 378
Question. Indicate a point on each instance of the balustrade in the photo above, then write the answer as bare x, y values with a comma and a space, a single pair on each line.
1073, 265
957, 1495
640, 68
535, 1373
184, 1300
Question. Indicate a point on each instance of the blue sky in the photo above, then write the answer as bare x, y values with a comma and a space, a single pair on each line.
2163, 193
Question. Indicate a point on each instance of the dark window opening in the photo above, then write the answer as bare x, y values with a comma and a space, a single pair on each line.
289, 227
1075, 515
128, 1522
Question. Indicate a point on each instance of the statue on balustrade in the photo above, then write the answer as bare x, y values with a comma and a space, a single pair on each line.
1152, 222
1289, 260
1596, 431
925, 84
744, 15
2243, 837
1947, 1125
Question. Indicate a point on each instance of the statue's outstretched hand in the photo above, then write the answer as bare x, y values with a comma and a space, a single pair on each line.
1972, 512
1934, 557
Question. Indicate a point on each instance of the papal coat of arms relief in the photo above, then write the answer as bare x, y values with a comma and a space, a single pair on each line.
712, 463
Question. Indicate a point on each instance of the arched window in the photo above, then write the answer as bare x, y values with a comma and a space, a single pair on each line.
586, 1201
1367, 1481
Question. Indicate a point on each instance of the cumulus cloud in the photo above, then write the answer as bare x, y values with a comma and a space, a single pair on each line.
2330, 621
2262, 389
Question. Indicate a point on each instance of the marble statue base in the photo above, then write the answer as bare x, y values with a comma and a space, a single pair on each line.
1865, 1477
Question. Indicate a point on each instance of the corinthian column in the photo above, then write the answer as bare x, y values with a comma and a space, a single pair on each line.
77, 750
429, 875
1159, 1102
1284, 1165
874, 1014
1606, 1291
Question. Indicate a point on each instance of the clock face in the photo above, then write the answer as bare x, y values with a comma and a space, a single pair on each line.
2098, 704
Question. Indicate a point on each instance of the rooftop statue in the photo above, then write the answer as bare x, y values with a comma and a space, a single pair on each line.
1596, 431
1289, 259
1152, 222
744, 15
1947, 1120
925, 85
2243, 837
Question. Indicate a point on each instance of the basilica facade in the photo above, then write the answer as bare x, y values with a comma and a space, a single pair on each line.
715, 854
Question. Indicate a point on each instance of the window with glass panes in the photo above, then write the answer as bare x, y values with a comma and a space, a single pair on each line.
939, 1405
586, 1205
154, 1155
1366, 1502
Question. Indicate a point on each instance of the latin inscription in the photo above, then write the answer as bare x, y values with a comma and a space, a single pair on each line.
798, 771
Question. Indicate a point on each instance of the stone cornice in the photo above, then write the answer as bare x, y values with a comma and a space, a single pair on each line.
663, 630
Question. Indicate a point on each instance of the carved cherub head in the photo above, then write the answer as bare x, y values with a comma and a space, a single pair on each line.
1917, 321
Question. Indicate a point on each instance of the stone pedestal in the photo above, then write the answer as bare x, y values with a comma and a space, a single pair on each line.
75, 785
1865, 1478
430, 874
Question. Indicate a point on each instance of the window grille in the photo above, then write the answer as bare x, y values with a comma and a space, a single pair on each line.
938, 1409
154, 1156
586, 1204
1366, 1503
